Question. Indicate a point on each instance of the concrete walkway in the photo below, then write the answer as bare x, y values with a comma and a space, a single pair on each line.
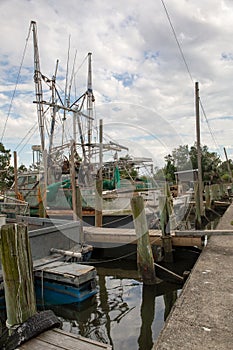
202, 317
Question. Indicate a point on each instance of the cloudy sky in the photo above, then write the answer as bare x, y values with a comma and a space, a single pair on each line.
144, 91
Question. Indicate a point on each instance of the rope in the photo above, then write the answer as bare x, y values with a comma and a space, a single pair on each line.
16, 85
33, 127
106, 261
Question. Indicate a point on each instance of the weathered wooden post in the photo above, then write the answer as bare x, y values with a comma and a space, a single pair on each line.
41, 208
199, 152
42, 189
17, 273
73, 182
98, 202
145, 258
165, 205
197, 206
207, 197
99, 182
15, 174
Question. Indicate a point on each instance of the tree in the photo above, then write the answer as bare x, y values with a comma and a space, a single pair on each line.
224, 168
170, 169
210, 162
181, 158
213, 170
22, 169
6, 170
127, 167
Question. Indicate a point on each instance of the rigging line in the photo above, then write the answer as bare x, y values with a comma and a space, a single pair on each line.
67, 72
177, 41
27, 141
33, 127
17, 82
80, 66
72, 77
66, 86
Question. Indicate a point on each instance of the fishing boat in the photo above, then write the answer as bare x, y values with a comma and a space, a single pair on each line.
58, 170
60, 273
105, 187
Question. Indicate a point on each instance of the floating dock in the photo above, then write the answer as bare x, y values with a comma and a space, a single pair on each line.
60, 282
58, 339
202, 317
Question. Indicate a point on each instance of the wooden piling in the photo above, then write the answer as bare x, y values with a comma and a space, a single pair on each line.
99, 182
145, 258
199, 152
73, 182
197, 207
17, 273
15, 174
165, 205
98, 202
207, 197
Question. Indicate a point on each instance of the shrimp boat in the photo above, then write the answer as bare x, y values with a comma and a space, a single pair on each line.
77, 163
59, 169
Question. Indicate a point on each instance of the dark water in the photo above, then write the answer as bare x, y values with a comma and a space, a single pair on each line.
124, 313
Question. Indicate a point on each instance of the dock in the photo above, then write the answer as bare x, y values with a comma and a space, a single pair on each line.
103, 237
202, 317
58, 339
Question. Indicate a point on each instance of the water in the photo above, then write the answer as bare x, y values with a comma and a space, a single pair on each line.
124, 313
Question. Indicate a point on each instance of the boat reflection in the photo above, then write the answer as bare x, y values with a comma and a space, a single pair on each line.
124, 313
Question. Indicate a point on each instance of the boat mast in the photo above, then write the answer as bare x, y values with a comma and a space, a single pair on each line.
54, 109
38, 85
90, 100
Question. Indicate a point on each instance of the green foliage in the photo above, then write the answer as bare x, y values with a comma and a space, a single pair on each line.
6, 170
159, 174
22, 168
170, 169
183, 158
226, 173
127, 168
210, 163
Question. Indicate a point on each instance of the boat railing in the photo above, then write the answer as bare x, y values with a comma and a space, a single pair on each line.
12, 206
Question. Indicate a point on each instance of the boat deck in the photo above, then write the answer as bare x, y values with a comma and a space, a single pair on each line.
58, 339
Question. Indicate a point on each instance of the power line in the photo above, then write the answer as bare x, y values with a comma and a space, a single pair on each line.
177, 41
188, 70
16, 85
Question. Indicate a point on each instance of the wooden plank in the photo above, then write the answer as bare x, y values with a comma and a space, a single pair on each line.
37, 344
59, 339
126, 236
187, 242
66, 272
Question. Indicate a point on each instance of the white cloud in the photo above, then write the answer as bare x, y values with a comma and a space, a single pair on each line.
134, 43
